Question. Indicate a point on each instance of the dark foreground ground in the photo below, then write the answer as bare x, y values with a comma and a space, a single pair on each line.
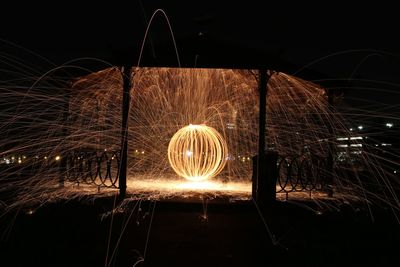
233, 234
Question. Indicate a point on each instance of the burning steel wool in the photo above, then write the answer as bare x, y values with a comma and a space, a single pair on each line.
190, 132
179, 133
197, 152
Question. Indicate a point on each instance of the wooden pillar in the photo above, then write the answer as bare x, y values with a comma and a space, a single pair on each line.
126, 78
264, 174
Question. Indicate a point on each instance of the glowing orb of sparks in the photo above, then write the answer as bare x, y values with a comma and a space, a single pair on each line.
197, 152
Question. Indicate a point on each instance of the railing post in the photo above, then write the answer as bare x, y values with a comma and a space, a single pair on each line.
126, 78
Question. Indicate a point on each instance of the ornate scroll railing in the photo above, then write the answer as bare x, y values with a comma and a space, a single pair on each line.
295, 173
90, 167
300, 173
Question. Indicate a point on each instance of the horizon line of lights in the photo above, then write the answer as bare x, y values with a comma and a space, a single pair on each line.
361, 127
21, 159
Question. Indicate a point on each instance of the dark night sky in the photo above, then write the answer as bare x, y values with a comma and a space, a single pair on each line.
343, 42
65, 30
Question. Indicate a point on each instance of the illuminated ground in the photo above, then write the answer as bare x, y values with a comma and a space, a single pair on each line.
142, 187
166, 188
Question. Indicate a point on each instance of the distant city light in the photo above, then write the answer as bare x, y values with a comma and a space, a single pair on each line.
360, 127
58, 158
230, 157
351, 129
389, 124
230, 125
30, 212
356, 145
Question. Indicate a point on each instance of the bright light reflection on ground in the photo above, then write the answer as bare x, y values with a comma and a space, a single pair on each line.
164, 188
144, 187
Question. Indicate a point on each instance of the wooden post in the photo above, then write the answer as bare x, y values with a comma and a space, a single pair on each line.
126, 78
263, 182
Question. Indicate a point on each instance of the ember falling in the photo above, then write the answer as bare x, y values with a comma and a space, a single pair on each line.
75, 137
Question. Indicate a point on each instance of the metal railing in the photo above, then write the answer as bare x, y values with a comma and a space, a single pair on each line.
90, 167
301, 173
295, 173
